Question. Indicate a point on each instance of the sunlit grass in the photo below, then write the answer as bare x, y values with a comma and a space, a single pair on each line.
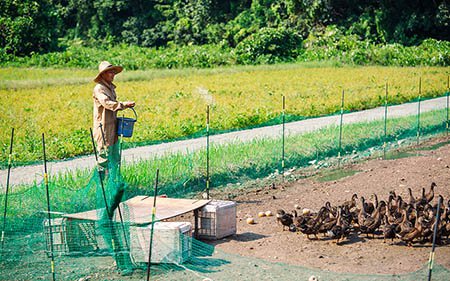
183, 174
172, 104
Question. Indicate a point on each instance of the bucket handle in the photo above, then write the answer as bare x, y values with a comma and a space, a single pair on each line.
135, 114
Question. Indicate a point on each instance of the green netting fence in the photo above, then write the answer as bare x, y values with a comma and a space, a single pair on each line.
111, 241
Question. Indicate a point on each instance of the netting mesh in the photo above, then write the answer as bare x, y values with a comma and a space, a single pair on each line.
111, 240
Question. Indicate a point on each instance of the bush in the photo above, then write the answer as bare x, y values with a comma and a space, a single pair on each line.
130, 57
333, 44
268, 45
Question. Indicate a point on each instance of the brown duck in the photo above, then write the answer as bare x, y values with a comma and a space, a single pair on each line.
415, 232
284, 218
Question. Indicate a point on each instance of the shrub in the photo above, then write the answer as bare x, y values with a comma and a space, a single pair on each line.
268, 45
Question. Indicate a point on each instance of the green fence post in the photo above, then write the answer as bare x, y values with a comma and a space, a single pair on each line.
48, 210
448, 90
207, 152
340, 129
153, 225
7, 188
283, 130
431, 260
120, 144
385, 120
418, 111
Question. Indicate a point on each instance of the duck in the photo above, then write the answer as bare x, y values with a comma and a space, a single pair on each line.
331, 210
393, 216
362, 215
388, 229
369, 207
412, 200
448, 208
414, 233
445, 225
383, 210
404, 226
392, 204
401, 204
422, 201
347, 215
445, 222
428, 228
392, 193
372, 222
340, 229
310, 226
302, 219
284, 218
375, 200
352, 202
430, 194
412, 214
326, 224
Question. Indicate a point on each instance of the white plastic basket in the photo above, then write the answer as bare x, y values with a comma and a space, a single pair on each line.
217, 220
172, 242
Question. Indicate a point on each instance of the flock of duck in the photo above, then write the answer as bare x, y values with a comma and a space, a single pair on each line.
410, 220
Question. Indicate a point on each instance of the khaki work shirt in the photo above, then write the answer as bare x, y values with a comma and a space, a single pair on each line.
105, 113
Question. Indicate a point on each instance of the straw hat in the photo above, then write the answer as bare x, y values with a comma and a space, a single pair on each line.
106, 66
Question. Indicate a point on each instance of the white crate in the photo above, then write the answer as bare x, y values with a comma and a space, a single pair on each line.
217, 220
172, 242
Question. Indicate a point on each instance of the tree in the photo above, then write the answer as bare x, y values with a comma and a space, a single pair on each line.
28, 26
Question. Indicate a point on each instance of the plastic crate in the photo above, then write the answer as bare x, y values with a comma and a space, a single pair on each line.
217, 220
172, 242
70, 236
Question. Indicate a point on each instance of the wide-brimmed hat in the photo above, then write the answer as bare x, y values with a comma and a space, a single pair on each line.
106, 66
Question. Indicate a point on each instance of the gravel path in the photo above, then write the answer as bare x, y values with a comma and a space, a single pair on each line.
31, 173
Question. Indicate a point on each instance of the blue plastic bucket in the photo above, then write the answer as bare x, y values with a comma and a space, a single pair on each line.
125, 125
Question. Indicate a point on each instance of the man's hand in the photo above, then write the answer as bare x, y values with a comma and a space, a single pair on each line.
129, 104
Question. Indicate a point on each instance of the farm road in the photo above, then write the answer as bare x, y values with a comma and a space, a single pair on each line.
31, 173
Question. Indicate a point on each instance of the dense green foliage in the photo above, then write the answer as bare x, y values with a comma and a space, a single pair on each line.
261, 48
259, 31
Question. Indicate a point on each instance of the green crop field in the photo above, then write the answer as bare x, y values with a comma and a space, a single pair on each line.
172, 103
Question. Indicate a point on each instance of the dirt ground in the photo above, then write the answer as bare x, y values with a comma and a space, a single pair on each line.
307, 188
267, 240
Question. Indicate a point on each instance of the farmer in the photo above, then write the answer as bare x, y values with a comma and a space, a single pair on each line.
105, 114
105, 135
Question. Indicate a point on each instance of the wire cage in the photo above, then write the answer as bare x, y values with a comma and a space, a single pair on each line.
70, 236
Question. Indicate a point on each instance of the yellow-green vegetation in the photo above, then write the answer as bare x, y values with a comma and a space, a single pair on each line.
172, 104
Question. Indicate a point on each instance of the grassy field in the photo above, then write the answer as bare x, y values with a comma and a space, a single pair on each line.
172, 103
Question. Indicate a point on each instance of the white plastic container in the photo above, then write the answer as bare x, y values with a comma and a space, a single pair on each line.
171, 242
217, 220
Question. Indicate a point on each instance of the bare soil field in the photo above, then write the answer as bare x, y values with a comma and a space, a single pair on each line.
430, 162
